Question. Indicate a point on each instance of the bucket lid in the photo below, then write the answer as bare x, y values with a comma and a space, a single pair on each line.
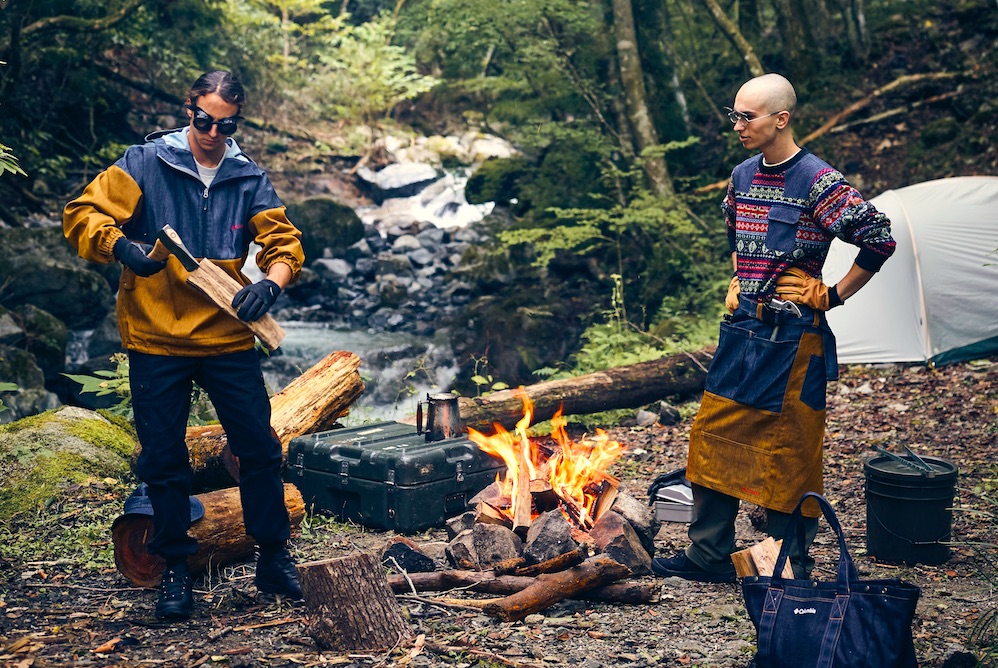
891, 467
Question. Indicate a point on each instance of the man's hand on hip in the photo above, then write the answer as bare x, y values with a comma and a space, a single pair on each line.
254, 300
135, 256
801, 288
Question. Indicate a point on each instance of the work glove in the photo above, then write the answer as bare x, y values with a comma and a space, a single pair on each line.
799, 287
135, 256
734, 292
254, 300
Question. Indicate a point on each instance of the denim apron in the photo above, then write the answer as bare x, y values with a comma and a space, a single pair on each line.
758, 433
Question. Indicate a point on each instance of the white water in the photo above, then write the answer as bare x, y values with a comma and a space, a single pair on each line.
398, 369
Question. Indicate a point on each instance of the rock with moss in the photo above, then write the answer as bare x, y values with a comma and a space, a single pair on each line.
43, 454
324, 224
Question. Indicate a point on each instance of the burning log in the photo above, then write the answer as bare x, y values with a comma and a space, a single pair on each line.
631, 591
350, 605
549, 588
221, 536
621, 387
522, 506
312, 402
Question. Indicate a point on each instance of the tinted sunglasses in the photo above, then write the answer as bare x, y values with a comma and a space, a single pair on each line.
203, 121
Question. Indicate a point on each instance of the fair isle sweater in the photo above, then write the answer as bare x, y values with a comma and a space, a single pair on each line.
786, 216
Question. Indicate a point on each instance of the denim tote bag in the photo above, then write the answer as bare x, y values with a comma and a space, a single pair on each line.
848, 623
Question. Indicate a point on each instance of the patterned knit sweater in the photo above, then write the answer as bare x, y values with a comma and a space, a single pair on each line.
786, 216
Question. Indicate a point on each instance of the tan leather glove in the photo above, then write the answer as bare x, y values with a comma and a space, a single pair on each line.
734, 291
801, 288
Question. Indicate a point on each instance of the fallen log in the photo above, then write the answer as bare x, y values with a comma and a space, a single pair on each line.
221, 536
485, 582
549, 588
350, 605
312, 402
621, 387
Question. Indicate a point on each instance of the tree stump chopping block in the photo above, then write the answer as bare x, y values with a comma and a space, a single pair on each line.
221, 536
350, 604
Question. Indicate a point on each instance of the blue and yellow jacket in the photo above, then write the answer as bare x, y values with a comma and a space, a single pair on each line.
155, 184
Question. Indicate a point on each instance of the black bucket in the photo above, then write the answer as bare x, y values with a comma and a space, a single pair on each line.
909, 512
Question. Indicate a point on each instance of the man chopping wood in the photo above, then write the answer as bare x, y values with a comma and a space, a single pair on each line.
758, 434
196, 180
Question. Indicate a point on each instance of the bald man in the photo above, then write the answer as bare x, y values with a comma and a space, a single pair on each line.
758, 434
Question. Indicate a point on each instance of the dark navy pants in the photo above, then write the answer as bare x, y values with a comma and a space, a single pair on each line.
161, 399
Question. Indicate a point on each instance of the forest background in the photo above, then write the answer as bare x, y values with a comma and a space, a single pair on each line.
609, 238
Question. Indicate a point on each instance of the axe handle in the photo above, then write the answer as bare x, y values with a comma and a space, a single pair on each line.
159, 252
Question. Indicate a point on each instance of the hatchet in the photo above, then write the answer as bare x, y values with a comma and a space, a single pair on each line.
212, 281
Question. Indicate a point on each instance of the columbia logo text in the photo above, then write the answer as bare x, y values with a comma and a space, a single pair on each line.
805, 611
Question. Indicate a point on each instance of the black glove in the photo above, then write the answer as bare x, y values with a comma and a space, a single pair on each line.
135, 256
254, 300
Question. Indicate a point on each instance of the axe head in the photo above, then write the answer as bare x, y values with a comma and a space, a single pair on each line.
169, 237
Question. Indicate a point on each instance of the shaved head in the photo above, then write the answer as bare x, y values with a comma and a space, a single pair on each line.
771, 92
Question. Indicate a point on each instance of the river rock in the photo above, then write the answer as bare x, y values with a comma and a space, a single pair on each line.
398, 180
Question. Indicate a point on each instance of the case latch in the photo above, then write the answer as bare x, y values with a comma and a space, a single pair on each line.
344, 472
299, 465
460, 471
390, 482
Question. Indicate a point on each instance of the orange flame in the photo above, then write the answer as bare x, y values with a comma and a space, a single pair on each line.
574, 470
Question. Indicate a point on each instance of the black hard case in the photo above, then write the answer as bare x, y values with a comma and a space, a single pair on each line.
386, 476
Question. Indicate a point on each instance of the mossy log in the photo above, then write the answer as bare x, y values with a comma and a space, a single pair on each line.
312, 402
221, 536
621, 387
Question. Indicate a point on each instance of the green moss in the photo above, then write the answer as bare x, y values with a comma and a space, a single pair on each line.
45, 453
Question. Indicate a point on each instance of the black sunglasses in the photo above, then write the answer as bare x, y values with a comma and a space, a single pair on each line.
203, 121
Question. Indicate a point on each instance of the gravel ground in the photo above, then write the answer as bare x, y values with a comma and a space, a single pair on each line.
60, 613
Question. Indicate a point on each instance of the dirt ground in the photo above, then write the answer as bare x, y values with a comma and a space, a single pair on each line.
76, 611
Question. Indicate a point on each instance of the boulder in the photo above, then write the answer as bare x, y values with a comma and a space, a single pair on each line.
42, 269
324, 223
44, 452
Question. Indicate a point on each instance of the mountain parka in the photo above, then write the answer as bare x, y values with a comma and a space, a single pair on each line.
156, 184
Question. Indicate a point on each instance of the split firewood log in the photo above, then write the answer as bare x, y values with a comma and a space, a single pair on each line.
221, 536
487, 582
310, 403
621, 387
350, 605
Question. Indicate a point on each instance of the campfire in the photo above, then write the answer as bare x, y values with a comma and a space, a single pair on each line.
555, 507
571, 476
555, 526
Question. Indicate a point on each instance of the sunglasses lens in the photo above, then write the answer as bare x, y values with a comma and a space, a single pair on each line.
202, 121
227, 126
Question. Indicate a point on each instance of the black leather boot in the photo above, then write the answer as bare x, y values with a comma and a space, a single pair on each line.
176, 597
276, 573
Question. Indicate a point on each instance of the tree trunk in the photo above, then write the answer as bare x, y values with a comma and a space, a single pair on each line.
797, 55
621, 387
635, 96
350, 605
731, 31
221, 536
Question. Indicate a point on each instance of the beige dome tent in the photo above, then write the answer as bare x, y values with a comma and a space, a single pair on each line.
936, 299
